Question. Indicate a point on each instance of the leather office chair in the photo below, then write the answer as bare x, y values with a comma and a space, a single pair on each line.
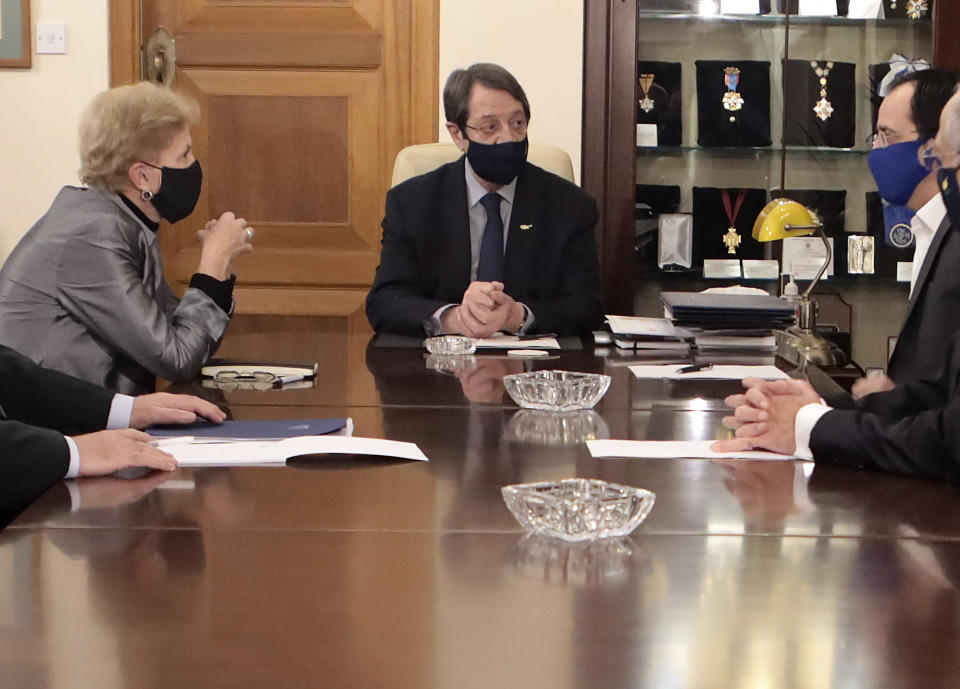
420, 158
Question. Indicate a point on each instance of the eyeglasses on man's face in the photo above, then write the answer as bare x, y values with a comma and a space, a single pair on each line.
490, 127
883, 138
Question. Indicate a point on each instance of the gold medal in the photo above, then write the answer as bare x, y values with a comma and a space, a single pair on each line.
732, 240
823, 108
917, 9
646, 103
732, 100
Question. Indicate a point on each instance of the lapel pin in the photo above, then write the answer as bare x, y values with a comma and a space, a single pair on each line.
526, 227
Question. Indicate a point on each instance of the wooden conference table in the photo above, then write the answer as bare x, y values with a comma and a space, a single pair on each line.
404, 574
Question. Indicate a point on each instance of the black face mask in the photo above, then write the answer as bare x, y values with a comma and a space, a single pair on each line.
950, 191
179, 191
497, 163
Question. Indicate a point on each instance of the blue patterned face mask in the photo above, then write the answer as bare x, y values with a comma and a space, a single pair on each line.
896, 222
897, 170
950, 191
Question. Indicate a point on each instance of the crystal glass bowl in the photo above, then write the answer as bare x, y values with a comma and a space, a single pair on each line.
450, 345
578, 509
556, 390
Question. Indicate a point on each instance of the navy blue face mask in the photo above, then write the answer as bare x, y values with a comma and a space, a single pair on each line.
897, 170
497, 163
950, 192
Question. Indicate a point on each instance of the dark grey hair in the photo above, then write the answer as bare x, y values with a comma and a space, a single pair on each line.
456, 92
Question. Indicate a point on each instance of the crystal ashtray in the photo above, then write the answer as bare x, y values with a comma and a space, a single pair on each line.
578, 509
450, 345
556, 390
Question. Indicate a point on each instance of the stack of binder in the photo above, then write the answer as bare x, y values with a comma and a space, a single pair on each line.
729, 321
636, 332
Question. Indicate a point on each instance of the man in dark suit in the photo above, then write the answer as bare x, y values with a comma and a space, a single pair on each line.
909, 117
52, 427
489, 242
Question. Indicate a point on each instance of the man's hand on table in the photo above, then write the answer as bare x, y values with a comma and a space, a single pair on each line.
485, 310
871, 384
105, 452
765, 415
163, 408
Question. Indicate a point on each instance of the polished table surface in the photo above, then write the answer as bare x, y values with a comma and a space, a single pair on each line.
337, 573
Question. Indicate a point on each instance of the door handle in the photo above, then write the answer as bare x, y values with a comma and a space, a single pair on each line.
160, 57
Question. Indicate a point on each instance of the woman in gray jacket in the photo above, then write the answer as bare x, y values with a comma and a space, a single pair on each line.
84, 292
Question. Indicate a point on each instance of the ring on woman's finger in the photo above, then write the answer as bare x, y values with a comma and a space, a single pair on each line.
249, 231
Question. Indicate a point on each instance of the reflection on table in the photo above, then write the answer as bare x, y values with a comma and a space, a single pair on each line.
401, 574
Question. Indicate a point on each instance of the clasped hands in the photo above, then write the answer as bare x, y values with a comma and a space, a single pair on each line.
765, 415
104, 452
485, 309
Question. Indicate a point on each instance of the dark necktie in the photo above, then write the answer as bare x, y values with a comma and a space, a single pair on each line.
490, 266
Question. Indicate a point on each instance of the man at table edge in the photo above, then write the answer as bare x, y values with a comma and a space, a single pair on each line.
55, 426
489, 242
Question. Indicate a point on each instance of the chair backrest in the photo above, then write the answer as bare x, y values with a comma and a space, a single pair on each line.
420, 158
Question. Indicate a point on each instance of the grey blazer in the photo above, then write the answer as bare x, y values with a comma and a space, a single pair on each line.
84, 293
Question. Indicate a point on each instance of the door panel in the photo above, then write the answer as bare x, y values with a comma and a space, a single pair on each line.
305, 105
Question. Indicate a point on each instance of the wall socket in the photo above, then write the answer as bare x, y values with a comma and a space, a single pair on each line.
51, 38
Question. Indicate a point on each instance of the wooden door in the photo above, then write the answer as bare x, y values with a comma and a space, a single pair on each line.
305, 105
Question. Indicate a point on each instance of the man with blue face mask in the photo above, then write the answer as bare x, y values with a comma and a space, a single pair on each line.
907, 121
490, 242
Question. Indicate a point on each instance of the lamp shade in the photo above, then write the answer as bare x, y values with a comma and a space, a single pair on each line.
782, 218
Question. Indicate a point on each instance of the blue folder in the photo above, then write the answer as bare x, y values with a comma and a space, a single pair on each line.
252, 430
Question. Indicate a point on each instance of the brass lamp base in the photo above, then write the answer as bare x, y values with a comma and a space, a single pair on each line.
801, 346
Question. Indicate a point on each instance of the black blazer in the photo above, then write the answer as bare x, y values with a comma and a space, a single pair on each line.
912, 429
933, 315
39, 406
550, 265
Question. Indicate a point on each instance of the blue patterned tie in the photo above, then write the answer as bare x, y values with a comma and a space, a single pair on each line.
490, 266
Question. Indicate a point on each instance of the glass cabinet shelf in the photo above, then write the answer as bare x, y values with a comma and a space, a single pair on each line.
748, 151
774, 20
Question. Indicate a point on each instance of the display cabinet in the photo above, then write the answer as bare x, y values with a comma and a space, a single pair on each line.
729, 110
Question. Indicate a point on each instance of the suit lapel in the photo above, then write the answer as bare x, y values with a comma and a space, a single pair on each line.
525, 225
454, 228
929, 260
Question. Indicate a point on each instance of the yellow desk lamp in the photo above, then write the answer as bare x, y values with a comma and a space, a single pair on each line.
782, 218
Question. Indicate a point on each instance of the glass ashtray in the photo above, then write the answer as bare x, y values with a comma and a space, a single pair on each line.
578, 509
450, 345
556, 390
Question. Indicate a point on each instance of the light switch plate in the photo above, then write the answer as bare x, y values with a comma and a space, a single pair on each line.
51, 38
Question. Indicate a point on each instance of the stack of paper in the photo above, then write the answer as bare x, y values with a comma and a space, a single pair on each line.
636, 332
729, 321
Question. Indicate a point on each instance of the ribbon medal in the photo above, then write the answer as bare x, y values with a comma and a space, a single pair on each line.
732, 100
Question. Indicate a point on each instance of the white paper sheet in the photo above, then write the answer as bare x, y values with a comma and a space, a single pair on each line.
502, 341
639, 325
718, 372
278, 451
672, 449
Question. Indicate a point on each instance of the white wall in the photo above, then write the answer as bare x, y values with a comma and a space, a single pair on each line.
39, 110
540, 42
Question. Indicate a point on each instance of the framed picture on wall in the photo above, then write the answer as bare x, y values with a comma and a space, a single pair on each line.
15, 33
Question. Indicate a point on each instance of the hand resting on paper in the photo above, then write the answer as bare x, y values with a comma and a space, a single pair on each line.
765, 414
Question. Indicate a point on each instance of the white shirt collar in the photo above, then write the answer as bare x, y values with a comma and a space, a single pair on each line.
931, 215
475, 190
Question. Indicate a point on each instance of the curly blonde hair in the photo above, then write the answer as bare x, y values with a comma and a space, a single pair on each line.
126, 124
